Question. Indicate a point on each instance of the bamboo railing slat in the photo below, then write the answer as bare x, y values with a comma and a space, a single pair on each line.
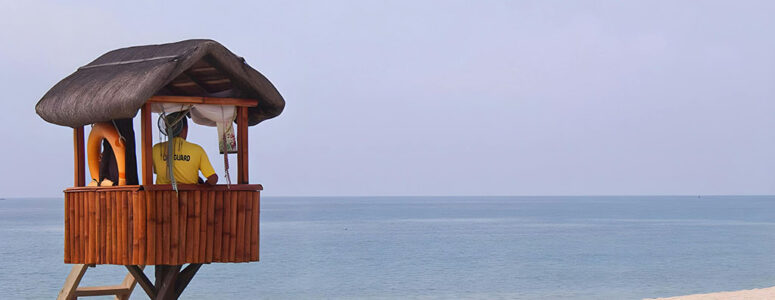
210, 226
239, 252
183, 216
254, 237
218, 229
233, 236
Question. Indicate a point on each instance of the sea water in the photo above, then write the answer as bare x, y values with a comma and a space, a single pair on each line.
448, 248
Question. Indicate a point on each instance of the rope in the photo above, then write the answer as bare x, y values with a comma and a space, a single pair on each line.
170, 145
225, 153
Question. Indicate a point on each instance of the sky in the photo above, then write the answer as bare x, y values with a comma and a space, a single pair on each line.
440, 97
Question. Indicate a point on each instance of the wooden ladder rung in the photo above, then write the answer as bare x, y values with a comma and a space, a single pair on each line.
102, 290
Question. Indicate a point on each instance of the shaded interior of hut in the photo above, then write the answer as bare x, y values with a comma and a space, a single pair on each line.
212, 127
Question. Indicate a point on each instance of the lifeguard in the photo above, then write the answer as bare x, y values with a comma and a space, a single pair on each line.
187, 158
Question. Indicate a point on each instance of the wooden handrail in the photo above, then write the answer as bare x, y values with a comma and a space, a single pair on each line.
241, 102
168, 187
205, 187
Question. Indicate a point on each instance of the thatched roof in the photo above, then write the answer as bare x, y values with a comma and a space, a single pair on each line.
118, 83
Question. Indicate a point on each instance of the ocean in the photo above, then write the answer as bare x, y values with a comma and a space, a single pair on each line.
448, 248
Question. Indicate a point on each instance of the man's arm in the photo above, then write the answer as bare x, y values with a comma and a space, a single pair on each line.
212, 180
206, 168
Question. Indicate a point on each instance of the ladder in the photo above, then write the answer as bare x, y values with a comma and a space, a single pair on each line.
71, 290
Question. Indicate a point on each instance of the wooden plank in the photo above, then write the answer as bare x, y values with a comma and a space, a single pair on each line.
104, 199
143, 280
116, 244
142, 218
120, 242
190, 223
107, 290
248, 224
240, 102
218, 229
185, 277
146, 144
184, 196
188, 187
98, 237
197, 225
91, 236
78, 227
242, 145
159, 226
136, 235
203, 227
150, 228
109, 242
255, 229
129, 283
68, 237
137, 231
117, 188
226, 227
114, 232
166, 229
210, 226
233, 237
175, 219
167, 288
71, 282
103, 228
74, 256
240, 252
79, 172
131, 219
84, 216
126, 245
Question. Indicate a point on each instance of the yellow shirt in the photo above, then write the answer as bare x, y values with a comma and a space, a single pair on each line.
189, 159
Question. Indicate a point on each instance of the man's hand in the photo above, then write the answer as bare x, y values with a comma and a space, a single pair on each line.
212, 180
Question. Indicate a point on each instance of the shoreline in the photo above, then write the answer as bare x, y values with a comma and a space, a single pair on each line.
762, 293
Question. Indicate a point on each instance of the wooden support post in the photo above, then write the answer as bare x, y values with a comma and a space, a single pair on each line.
167, 288
71, 291
185, 277
72, 282
78, 150
144, 282
242, 145
146, 140
129, 283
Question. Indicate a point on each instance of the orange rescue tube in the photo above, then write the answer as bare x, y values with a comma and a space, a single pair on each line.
99, 131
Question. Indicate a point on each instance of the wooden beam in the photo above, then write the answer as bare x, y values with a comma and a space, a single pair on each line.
71, 283
241, 102
129, 283
167, 289
185, 277
144, 282
191, 82
242, 145
146, 141
107, 290
78, 151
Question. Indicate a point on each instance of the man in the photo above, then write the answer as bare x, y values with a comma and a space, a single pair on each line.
188, 158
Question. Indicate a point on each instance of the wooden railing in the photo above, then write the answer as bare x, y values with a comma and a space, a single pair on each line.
154, 225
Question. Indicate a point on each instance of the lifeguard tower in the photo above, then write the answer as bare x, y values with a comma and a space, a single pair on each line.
138, 224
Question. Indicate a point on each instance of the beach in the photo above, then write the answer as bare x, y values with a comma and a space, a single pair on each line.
763, 293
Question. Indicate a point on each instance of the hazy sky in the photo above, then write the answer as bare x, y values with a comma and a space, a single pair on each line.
440, 97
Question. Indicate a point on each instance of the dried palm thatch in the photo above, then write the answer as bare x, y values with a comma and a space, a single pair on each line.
118, 83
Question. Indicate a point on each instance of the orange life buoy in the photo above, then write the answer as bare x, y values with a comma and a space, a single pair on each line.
106, 131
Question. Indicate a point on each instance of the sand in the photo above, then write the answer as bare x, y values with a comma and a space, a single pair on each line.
765, 293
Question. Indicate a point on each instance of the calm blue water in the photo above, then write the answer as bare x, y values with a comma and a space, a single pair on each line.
448, 248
